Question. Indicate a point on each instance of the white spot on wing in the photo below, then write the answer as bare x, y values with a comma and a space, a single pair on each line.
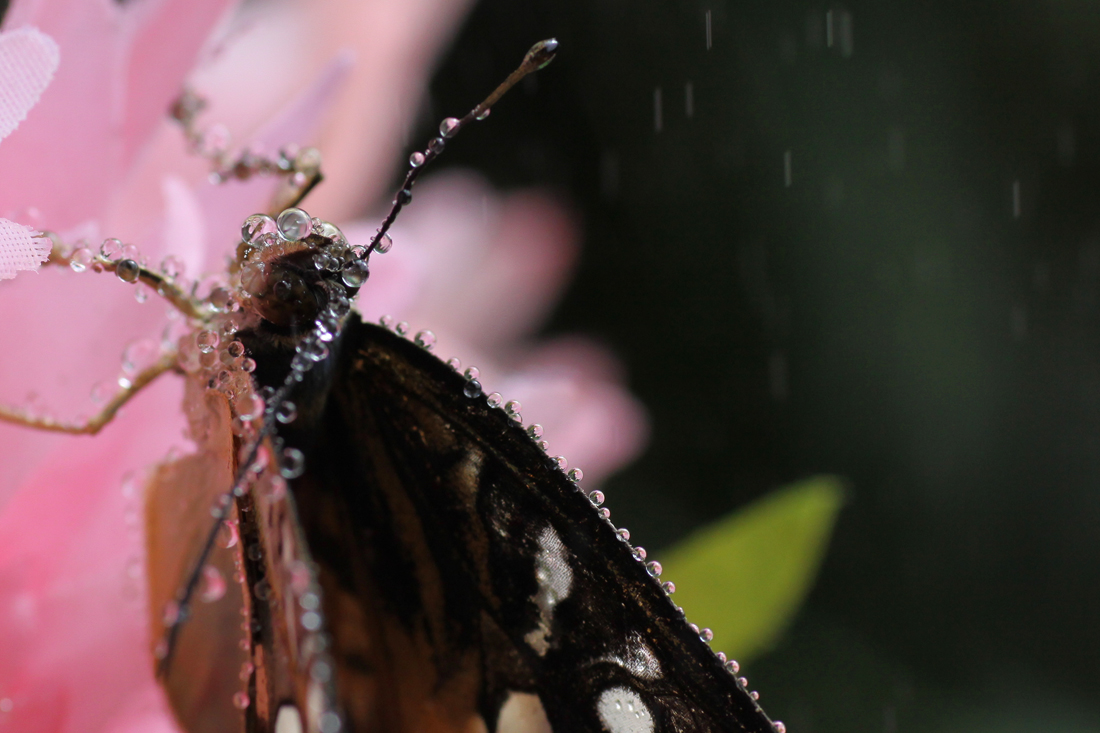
288, 720
523, 713
555, 578
621, 710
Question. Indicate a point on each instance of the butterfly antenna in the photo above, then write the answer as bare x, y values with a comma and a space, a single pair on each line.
541, 54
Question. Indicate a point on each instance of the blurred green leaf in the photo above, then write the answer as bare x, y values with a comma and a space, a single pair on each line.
745, 575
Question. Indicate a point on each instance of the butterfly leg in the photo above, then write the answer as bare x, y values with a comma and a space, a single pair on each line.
132, 272
299, 168
166, 363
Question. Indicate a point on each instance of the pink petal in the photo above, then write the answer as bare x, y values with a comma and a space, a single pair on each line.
70, 563
77, 142
20, 250
28, 60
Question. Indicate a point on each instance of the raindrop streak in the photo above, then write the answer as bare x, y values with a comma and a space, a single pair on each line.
1015, 199
787, 176
658, 115
707, 15
689, 100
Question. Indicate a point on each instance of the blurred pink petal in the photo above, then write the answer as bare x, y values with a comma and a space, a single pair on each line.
72, 616
99, 110
20, 249
28, 60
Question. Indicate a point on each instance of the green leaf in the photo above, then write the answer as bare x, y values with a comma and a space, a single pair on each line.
745, 575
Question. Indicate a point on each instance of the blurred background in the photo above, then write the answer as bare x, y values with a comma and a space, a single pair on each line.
858, 239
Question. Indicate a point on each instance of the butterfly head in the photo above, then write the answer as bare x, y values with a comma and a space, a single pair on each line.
294, 270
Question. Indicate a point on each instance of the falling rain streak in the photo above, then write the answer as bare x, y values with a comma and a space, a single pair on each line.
658, 111
838, 31
689, 100
708, 30
787, 168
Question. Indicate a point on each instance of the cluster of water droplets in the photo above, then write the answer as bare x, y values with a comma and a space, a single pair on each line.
215, 143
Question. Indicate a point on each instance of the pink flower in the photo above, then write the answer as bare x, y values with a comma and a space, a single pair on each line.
96, 157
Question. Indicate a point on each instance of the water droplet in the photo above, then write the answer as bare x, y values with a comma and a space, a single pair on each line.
262, 589
779, 727
111, 249
310, 601
669, 587
293, 463
128, 271
286, 412
535, 431
402, 328
81, 259
425, 339
472, 373
248, 365
311, 620
294, 224
754, 695
241, 700
171, 613
416, 159
575, 475
605, 512
448, 127
320, 671
495, 399
102, 391
385, 244
207, 341
639, 553
436, 145
484, 114
331, 723
513, 407
386, 321
654, 568
560, 461
597, 499
743, 681
247, 668
472, 389
706, 635
256, 226
214, 584
624, 534
141, 293
733, 667
454, 363
355, 273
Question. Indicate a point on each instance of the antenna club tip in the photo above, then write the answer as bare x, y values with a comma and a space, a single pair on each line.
542, 53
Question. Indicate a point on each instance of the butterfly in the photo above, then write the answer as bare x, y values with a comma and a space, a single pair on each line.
405, 555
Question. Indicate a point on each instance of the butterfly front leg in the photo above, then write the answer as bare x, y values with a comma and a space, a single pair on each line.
167, 362
299, 168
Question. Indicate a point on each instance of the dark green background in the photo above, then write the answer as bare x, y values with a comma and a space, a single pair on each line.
886, 317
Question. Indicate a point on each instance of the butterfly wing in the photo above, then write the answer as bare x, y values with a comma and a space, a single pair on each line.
467, 581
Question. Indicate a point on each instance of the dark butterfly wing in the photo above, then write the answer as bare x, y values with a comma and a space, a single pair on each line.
464, 576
